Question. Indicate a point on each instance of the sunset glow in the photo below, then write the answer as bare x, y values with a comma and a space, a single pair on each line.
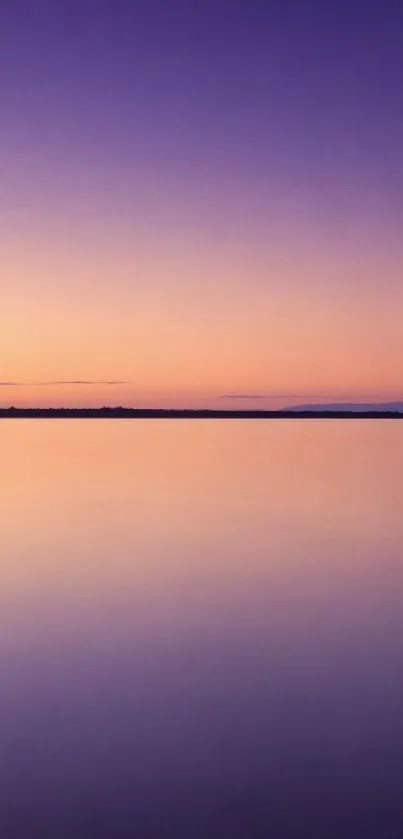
194, 230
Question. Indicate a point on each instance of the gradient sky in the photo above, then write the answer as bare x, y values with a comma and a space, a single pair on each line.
200, 200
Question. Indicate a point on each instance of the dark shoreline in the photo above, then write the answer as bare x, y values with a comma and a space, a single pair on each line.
155, 413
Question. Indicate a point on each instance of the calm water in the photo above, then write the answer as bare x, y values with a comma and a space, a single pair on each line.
201, 629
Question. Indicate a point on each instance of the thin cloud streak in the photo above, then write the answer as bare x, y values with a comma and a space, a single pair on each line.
64, 382
324, 396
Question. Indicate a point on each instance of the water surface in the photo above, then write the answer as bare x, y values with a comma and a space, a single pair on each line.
201, 629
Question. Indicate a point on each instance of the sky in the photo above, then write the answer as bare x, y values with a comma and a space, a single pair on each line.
200, 202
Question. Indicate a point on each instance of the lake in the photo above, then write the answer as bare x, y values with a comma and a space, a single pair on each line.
201, 629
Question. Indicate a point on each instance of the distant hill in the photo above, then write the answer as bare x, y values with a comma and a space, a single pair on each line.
357, 407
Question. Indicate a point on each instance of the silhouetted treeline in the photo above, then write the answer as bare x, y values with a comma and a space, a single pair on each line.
164, 413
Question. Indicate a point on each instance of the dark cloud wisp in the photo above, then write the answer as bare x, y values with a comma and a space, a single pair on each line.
64, 382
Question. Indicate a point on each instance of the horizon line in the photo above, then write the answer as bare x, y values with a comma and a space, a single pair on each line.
297, 412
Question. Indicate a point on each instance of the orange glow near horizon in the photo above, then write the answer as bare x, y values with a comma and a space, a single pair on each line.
191, 321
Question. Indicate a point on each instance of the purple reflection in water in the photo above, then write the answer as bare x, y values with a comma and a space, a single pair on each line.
201, 630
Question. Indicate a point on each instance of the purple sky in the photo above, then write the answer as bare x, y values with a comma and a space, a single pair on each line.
196, 165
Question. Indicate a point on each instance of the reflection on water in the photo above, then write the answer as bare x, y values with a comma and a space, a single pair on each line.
201, 629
